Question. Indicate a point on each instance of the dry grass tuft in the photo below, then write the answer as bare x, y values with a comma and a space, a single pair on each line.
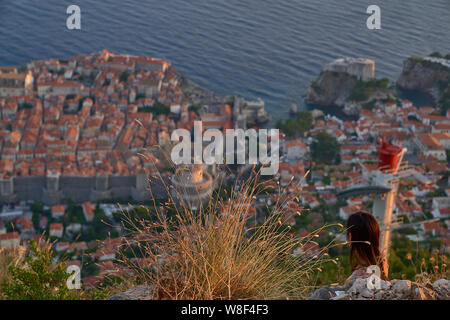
432, 270
208, 255
9, 258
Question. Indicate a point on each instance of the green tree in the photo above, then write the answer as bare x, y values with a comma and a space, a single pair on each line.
74, 213
26, 105
35, 220
325, 149
195, 108
156, 109
124, 77
37, 207
98, 230
298, 126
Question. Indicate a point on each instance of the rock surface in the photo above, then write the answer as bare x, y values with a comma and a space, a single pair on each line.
357, 289
137, 293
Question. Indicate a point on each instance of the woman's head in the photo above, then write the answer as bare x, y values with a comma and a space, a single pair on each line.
363, 233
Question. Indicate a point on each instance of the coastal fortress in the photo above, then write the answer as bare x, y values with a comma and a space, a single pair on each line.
363, 69
192, 185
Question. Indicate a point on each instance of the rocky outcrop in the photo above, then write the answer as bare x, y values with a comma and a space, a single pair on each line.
340, 89
357, 289
331, 89
426, 76
420, 74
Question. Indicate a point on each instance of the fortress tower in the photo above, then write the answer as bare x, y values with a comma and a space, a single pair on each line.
192, 185
141, 191
363, 69
7, 190
52, 194
102, 189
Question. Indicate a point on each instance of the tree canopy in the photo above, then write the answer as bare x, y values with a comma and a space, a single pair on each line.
296, 127
325, 149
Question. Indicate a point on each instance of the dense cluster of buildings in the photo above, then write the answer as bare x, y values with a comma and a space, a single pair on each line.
88, 127
424, 195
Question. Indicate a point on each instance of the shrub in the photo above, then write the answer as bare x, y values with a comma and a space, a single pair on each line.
316, 87
416, 59
37, 278
436, 54
364, 89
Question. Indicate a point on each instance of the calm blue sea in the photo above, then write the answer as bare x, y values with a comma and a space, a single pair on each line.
252, 48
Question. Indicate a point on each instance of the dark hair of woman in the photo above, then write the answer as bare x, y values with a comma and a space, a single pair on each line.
363, 234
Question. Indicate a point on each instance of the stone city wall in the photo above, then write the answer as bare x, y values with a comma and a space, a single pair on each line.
54, 190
